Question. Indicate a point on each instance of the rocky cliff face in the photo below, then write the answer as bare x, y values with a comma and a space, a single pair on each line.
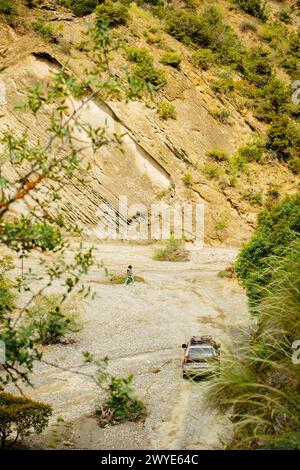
162, 160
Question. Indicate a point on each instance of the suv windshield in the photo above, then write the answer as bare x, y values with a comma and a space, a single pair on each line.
200, 352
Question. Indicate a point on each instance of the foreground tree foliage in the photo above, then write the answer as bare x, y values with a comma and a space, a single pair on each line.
20, 416
27, 167
50, 321
33, 219
114, 13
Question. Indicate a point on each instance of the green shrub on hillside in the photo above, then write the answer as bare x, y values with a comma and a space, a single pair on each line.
204, 58
152, 2
155, 39
212, 171
253, 196
283, 139
223, 84
257, 67
236, 163
7, 6
221, 222
186, 27
139, 55
284, 15
191, 4
159, 11
255, 8
171, 58
166, 110
294, 42
187, 179
273, 192
253, 151
217, 155
207, 31
44, 29
291, 57
150, 74
144, 68
294, 164
82, 7
272, 100
222, 114
112, 13
273, 33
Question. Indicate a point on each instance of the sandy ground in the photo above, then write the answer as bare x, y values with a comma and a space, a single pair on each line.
141, 328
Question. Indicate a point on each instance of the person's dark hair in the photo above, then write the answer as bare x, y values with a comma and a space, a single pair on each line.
130, 267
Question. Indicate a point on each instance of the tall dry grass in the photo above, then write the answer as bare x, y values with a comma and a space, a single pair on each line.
259, 385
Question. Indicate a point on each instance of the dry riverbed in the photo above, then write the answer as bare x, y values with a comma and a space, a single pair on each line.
141, 328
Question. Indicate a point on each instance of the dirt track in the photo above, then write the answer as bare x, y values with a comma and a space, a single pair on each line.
141, 328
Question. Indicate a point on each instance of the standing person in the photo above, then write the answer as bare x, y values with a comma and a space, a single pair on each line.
130, 278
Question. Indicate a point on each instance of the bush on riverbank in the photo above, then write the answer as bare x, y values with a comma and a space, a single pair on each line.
173, 250
278, 226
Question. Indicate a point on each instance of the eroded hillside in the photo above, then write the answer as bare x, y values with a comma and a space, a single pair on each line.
192, 156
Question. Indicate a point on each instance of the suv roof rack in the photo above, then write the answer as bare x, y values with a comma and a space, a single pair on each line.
201, 339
